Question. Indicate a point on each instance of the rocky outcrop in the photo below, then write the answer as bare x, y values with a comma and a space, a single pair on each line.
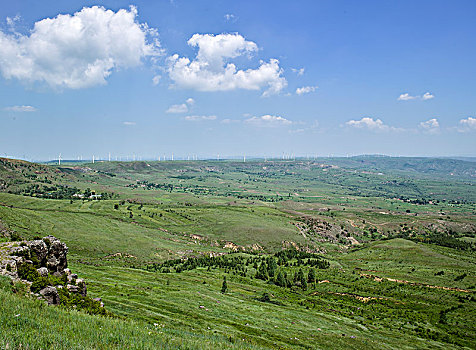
42, 262
50, 294
48, 255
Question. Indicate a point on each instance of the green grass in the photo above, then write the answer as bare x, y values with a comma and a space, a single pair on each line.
28, 323
213, 203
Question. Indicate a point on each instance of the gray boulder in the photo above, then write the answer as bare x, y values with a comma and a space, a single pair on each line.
56, 256
38, 248
50, 294
72, 288
82, 287
43, 271
20, 251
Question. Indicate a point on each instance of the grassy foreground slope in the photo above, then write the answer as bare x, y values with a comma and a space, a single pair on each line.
30, 324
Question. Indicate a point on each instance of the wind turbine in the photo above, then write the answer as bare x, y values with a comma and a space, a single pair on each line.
59, 159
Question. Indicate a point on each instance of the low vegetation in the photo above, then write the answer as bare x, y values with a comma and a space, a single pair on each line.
305, 254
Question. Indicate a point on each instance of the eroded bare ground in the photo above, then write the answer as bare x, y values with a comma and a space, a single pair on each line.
380, 279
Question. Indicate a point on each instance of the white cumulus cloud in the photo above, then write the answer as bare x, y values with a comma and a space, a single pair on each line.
79, 50
181, 108
20, 109
299, 71
370, 124
268, 121
468, 124
407, 97
431, 126
199, 118
427, 96
156, 80
211, 70
229, 17
306, 89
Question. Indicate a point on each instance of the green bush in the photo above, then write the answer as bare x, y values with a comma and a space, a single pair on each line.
84, 303
39, 284
28, 272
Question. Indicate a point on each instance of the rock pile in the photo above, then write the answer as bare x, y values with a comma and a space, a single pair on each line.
36, 262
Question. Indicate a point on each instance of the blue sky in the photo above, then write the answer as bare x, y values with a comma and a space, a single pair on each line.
152, 78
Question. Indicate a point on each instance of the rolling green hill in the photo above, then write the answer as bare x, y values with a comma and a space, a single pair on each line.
396, 255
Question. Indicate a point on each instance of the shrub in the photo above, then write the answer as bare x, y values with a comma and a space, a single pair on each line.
265, 298
84, 303
15, 237
39, 284
28, 272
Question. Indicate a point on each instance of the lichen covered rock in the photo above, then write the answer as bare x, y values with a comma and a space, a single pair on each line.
50, 294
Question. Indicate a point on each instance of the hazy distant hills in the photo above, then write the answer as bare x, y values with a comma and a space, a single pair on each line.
434, 167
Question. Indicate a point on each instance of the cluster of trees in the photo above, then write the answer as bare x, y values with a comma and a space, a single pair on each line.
260, 197
285, 258
267, 272
275, 269
449, 239
200, 190
60, 192
51, 192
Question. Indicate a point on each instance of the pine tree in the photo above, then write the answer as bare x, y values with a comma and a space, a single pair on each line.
272, 267
299, 277
262, 272
304, 284
224, 286
311, 276
280, 281
286, 278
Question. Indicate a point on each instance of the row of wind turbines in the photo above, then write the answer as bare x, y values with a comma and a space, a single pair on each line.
194, 157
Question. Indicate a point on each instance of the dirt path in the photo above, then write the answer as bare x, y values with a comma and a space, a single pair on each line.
380, 279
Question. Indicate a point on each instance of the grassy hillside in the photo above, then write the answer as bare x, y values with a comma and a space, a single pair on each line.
157, 251
27, 323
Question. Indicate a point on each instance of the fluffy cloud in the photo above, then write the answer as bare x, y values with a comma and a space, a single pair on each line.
229, 121
427, 96
229, 17
156, 80
181, 108
129, 123
11, 22
268, 121
306, 89
199, 118
20, 109
79, 50
299, 71
407, 97
370, 124
468, 124
211, 71
430, 126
